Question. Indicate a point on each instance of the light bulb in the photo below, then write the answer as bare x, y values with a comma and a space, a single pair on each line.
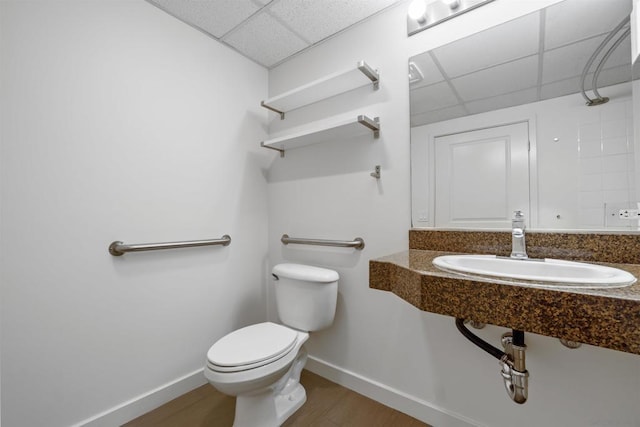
417, 11
453, 4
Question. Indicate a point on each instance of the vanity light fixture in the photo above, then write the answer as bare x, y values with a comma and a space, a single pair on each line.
423, 14
453, 4
418, 11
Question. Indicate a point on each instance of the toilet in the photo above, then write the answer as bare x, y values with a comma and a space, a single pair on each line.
261, 364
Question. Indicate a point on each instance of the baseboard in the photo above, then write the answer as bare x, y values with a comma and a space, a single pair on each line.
146, 402
403, 402
396, 399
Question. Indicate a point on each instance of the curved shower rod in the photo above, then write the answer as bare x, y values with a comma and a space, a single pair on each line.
600, 99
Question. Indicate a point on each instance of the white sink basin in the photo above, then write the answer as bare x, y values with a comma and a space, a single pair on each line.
552, 272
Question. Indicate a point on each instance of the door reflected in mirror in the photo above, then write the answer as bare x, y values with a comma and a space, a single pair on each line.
578, 169
495, 158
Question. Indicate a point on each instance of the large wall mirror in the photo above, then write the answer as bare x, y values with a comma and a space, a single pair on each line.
499, 123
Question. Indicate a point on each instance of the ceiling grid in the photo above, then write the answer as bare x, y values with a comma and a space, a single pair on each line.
271, 31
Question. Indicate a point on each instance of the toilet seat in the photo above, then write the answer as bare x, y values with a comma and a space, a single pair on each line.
251, 347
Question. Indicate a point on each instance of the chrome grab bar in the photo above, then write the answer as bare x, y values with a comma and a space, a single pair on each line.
357, 243
118, 248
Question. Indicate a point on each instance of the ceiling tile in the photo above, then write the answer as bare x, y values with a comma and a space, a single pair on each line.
573, 20
430, 72
568, 61
503, 101
432, 97
215, 17
516, 82
562, 87
608, 77
511, 77
621, 55
265, 40
612, 76
316, 20
491, 47
438, 115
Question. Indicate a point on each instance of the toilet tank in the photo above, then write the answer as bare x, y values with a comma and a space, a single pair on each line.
305, 296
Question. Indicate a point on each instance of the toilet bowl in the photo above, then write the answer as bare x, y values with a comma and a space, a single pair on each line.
261, 363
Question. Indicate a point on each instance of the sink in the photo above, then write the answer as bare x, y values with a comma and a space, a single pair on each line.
549, 272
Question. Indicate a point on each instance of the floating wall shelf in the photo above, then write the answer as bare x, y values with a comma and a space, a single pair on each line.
328, 130
325, 87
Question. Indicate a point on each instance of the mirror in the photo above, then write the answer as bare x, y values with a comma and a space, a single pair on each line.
499, 123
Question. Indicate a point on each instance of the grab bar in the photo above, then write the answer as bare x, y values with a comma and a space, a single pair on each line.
118, 248
357, 243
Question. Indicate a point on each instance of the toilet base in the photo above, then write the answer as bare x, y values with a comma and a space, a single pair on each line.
272, 406
266, 410
286, 405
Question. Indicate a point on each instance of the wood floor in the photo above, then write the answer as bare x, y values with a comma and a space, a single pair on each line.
328, 405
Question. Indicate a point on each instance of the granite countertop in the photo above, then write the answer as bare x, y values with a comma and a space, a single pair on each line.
603, 317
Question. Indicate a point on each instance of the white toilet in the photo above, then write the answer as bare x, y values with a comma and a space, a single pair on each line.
261, 364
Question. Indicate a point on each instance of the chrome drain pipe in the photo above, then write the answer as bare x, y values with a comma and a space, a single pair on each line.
512, 361
514, 371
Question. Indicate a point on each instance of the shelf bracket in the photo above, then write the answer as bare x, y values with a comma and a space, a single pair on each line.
273, 148
372, 74
374, 124
268, 107
376, 172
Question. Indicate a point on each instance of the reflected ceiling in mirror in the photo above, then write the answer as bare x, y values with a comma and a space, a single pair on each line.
536, 57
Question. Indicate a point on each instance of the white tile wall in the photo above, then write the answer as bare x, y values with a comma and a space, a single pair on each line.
591, 217
606, 162
593, 165
614, 163
590, 148
591, 199
591, 182
615, 181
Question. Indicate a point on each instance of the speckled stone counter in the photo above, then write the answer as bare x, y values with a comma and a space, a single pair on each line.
603, 317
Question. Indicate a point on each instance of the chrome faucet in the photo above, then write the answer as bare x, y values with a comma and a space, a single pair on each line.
518, 245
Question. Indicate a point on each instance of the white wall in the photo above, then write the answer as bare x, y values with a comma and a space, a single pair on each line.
121, 123
379, 344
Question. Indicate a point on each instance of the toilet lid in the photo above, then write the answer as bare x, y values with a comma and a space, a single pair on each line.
252, 345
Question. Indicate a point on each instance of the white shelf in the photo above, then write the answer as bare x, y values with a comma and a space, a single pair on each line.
326, 131
325, 87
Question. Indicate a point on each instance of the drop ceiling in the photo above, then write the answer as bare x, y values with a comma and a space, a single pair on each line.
535, 57
270, 31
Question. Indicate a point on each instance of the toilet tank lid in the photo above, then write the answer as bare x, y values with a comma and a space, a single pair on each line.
305, 272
